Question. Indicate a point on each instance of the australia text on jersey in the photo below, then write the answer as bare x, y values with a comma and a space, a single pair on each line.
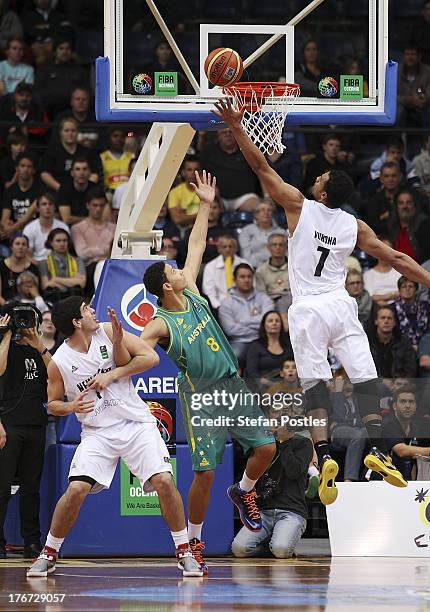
198, 329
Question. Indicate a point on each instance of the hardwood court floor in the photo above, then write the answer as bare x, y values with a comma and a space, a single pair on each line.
310, 584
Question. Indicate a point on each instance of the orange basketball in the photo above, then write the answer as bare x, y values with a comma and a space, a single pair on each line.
223, 66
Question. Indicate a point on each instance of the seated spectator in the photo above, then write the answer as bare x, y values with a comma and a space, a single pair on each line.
73, 193
281, 500
309, 72
424, 356
241, 312
10, 24
353, 66
394, 356
413, 90
407, 434
346, 427
394, 151
16, 144
115, 160
37, 231
20, 200
355, 286
218, 273
381, 204
238, 185
12, 266
83, 112
381, 281
12, 70
421, 164
288, 165
266, 355
272, 276
27, 285
164, 222
41, 25
20, 111
412, 315
253, 238
215, 230
120, 191
324, 162
183, 202
408, 228
93, 236
62, 274
50, 337
56, 79
57, 162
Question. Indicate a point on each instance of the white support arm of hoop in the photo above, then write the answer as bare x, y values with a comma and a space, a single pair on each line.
147, 189
273, 39
178, 54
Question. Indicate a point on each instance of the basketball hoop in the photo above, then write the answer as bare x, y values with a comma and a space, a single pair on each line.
266, 107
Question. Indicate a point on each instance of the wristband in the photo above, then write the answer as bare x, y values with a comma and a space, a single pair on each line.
43, 352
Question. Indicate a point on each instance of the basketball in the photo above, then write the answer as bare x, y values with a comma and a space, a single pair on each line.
223, 66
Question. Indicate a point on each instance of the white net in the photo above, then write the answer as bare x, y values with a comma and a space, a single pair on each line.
266, 107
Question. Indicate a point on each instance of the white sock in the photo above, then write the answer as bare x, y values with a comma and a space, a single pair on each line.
53, 542
313, 470
194, 531
180, 537
246, 484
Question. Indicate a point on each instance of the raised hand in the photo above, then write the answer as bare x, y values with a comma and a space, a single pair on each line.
31, 338
4, 323
117, 331
226, 112
205, 186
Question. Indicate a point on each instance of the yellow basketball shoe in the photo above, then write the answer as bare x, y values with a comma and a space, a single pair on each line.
327, 490
381, 463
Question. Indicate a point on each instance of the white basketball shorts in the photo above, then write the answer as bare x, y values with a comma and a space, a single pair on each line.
329, 320
140, 445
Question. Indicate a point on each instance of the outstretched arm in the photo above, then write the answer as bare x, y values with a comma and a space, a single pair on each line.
205, 189
368, 242
286, 195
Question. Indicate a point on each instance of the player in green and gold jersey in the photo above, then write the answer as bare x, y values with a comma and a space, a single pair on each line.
214, 399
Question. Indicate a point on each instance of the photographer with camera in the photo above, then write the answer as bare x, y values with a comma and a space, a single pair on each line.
23, 418
281, 499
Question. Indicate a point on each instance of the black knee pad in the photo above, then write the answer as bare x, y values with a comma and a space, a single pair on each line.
317, 397
368, 396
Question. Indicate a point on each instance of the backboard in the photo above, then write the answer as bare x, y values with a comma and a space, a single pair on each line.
351, 82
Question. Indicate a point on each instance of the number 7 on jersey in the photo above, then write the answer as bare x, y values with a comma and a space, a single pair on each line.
324, 254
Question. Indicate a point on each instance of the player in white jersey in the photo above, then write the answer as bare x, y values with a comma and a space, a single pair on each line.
93, 368
323, 315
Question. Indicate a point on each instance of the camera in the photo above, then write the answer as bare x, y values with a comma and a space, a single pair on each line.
23, 317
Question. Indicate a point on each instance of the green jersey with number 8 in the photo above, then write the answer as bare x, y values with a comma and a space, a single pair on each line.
197, 344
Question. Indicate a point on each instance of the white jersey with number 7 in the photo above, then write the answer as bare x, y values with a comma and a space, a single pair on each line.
317, 252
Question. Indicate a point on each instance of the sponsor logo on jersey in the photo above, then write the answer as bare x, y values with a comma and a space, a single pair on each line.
74, 368
137, 308
198, 329
204, 462
104, 352
326, 239
180, 320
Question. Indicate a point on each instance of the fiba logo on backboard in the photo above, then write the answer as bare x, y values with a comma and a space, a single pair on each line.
136, 308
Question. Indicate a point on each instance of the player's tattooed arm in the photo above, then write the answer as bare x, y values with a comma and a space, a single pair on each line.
287, 196
205, 188
368, 242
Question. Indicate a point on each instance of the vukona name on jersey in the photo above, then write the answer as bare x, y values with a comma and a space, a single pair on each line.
326, 239
198, 330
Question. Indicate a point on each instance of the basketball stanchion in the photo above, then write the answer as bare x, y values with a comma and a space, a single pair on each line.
266, 108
